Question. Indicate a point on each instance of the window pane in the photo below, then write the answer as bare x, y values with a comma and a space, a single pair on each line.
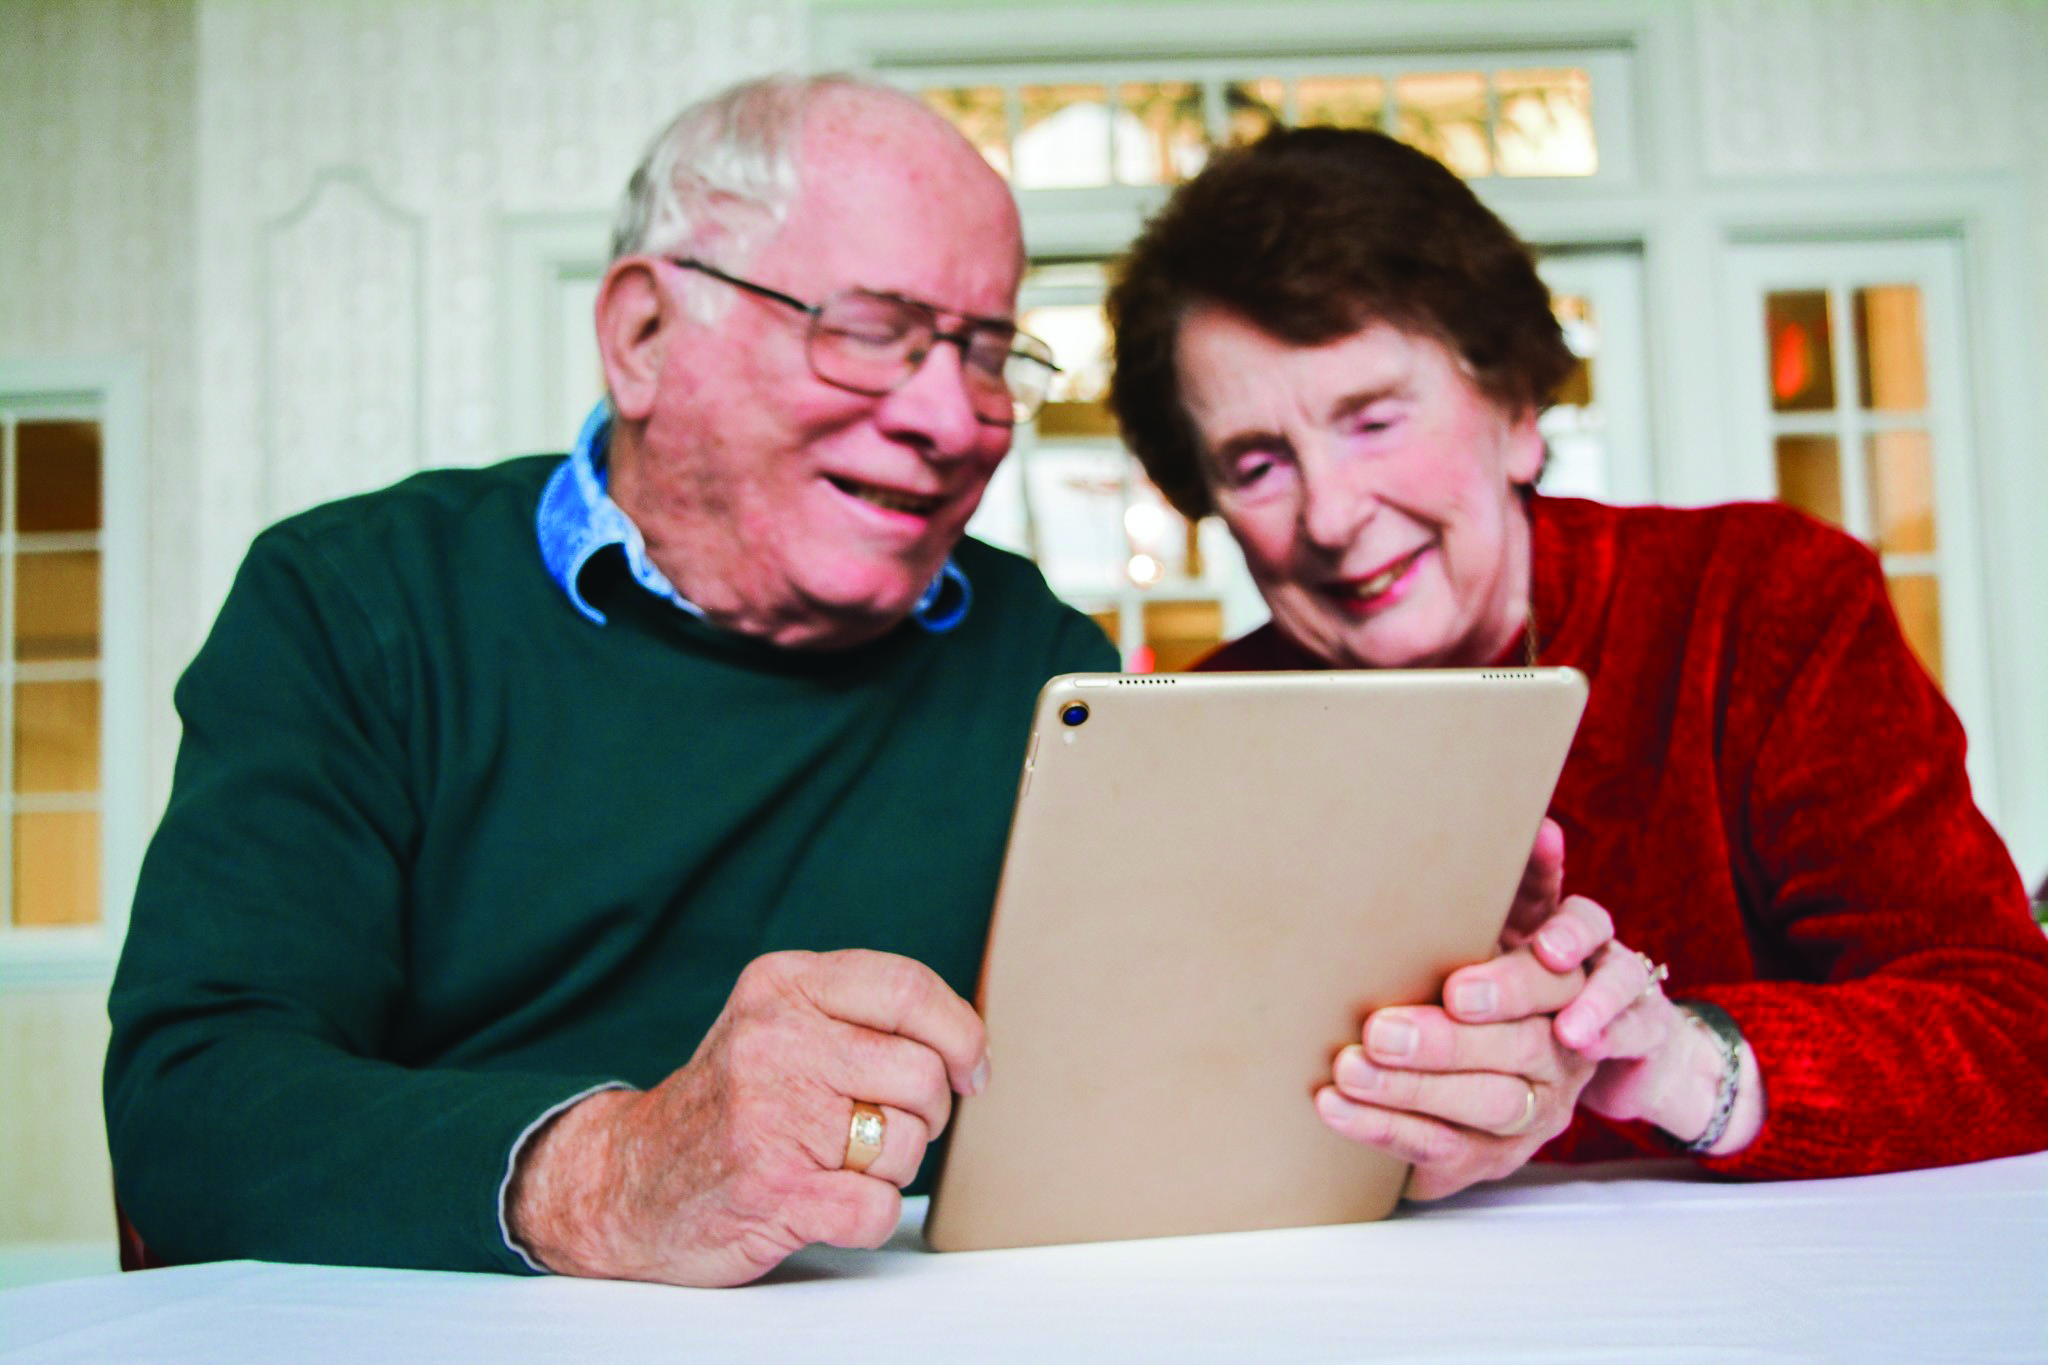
57, 605
1574, 314
1801, 351
1917, 600
1076, 498
1253, 106
1444, 114
1574, 430
1810, 476
1162, 137
57, 737
1178, 633
1340, 101
57, 868
1079, 336
1891, 349
1062, 137
1546, 123
1902, 491
57, 476
1158, 534
977, 111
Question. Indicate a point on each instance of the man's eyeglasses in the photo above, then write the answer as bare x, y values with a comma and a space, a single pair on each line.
872, 343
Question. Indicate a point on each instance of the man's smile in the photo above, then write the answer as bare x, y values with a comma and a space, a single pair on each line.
888, 499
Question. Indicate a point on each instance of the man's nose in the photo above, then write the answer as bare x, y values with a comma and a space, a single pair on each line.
932, 407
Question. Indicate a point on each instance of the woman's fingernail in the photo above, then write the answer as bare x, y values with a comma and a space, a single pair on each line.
978, 1082
1356, 1074
1473, 997
1391, 1035
1557, 940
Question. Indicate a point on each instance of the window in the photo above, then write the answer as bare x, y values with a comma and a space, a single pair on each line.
1144, 122
71, 672
1852, 360
1882, 490
50, 715
1598, 431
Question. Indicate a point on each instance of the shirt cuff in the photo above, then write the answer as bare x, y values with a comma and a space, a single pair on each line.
512, 1164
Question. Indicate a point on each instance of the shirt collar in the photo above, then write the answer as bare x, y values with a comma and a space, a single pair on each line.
577, 518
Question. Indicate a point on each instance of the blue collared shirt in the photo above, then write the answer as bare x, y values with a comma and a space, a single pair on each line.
577, 518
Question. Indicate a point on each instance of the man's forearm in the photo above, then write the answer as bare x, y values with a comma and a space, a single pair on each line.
557, 1205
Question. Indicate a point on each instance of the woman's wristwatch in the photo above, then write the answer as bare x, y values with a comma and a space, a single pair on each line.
1715, 1022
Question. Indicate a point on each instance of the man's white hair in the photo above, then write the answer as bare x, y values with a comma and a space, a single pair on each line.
719, 180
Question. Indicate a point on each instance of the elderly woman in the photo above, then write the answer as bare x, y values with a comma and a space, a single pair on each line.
1328, 341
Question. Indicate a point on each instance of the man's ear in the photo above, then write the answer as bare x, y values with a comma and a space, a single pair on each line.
635, 326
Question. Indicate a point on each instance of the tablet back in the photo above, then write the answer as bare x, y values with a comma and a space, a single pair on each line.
1211, 880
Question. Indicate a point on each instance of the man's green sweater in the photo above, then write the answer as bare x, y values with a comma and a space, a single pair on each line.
441, 852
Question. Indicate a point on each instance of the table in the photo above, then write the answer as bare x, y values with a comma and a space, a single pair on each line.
1615, 1263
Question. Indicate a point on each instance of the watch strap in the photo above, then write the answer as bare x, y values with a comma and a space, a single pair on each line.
1719, 1026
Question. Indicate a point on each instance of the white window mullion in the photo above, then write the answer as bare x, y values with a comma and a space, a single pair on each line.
57, 670
56, 803
1853, 462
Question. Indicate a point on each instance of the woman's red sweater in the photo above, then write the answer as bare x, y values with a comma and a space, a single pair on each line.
1767, 792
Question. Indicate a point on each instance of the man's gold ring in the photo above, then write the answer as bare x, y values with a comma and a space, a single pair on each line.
864, 1136
1521, 1125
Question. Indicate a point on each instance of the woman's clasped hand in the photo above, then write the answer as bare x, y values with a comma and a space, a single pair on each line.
1469, 1089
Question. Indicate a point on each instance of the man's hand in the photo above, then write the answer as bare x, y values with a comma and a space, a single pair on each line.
734, 1161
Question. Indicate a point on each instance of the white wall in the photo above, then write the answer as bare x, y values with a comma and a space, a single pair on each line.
297, 213
97, 153
1946, 102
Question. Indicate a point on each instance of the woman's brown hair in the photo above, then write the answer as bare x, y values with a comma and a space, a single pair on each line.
1312, 234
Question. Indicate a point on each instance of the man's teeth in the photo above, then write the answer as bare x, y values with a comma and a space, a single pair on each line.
890, 499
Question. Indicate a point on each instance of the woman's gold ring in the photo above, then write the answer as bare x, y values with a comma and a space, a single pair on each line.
1655, 970
1521, 1125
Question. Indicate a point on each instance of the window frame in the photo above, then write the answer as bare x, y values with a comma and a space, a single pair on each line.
1609, 68
1838, 266
114, 389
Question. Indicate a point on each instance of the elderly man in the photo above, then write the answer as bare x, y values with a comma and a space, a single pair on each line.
578, 864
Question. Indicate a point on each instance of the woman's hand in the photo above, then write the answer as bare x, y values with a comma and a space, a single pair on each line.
1655, 1066
1468, 1091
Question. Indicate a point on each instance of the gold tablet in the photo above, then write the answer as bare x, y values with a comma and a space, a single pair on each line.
1211, 880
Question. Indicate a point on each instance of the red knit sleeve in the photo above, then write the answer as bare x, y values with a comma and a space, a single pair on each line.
1926, 1040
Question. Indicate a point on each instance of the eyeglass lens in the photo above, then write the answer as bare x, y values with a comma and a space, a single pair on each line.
871, 343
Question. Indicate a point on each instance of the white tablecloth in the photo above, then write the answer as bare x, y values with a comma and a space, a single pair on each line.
1620, 1263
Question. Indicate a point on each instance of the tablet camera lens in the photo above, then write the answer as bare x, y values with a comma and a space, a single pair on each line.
1073, 713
